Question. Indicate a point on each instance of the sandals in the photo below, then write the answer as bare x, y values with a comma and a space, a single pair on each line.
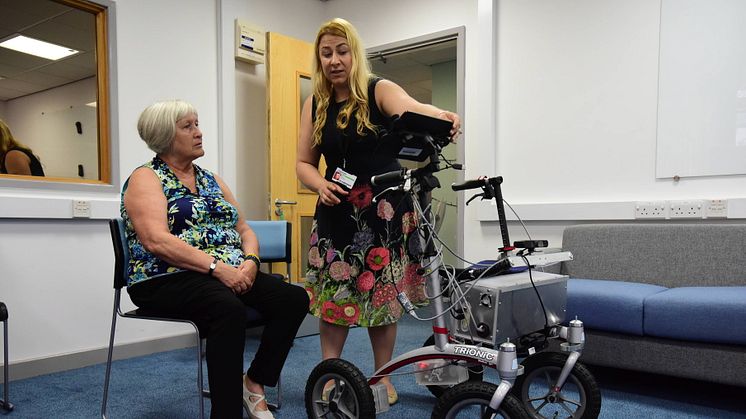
392, 395
251, 401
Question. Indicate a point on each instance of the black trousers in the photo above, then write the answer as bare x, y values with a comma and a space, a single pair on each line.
221, 318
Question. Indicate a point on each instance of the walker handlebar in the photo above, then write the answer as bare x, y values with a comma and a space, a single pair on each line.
388, 178
469, 184
480, 182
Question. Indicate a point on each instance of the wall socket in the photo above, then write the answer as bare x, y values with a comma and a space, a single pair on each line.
716, 208
685, 209
81, 208
651, 209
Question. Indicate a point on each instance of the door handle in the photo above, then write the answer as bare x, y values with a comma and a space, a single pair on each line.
281, 202
278, 207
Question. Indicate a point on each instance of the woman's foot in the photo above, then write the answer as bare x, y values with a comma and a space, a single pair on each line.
254, 401
390, 392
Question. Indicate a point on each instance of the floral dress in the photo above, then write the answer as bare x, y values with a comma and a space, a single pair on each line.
362, 252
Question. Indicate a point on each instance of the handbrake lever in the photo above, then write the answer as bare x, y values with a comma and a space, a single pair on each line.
479, 195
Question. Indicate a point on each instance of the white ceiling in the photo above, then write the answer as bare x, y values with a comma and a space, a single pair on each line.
22, 74
411, 68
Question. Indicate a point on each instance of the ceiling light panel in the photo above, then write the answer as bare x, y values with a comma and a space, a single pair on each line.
38, 48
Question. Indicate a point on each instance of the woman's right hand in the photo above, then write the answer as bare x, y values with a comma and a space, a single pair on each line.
328, 193
237, 280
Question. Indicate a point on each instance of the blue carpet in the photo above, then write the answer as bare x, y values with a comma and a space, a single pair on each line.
163, 386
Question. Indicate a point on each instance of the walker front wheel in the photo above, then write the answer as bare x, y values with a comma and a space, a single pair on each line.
579, 397
471, 399
347, 395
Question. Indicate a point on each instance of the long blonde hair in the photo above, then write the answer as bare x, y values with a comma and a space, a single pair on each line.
358, 81
7, 141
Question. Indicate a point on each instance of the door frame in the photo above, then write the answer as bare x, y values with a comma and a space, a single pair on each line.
459, 34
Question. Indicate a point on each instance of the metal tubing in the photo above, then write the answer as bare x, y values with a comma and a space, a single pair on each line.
502, 390
439, 323
572, 358
6, 404
200, 389
117, 297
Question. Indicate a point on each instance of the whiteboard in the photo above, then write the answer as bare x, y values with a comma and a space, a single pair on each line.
702, 88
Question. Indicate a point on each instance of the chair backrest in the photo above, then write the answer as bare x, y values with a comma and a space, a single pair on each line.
121, 252
274, 238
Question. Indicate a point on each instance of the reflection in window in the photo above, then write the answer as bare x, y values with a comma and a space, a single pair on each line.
51, 104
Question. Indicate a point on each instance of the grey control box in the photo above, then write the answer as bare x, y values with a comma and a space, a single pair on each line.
507, 306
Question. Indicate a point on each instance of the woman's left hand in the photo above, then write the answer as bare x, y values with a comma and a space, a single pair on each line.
456, 120
247, 270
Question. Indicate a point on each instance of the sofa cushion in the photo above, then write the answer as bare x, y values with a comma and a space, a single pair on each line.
703, 314
666, 254
611, 306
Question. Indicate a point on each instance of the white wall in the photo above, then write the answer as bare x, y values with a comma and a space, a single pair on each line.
577, 85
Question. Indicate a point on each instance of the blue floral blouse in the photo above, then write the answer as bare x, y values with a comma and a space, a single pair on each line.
204, 220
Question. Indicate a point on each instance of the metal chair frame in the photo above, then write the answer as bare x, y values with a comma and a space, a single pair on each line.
5, 404
121, 257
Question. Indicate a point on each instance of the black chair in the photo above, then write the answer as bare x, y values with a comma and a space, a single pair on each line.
274, 246
121, 260
4, 403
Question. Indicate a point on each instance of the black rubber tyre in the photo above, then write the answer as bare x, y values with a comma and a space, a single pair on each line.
579, 398
350, 398
475, 372
470, 399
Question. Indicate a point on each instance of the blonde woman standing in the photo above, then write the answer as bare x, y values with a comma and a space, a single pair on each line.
361, 253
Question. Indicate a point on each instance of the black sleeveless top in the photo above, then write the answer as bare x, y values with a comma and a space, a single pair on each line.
359, 155
35, 164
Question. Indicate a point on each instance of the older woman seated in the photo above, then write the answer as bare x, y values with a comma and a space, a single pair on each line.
193, 256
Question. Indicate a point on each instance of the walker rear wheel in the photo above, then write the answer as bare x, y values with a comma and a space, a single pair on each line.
349, 397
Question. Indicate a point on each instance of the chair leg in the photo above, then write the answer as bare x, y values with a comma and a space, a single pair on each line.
279, 394
200, 388
5, 403
205, 391
109, 356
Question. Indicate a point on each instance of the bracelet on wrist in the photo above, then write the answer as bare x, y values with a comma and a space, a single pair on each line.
253, 257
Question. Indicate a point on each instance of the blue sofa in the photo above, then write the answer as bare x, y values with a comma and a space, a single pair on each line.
663, 298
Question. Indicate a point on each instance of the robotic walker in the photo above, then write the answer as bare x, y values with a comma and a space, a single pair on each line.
493, 314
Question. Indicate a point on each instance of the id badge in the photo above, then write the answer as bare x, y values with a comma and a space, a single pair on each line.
344, 178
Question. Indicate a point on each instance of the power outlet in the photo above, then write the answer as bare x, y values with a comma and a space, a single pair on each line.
685, 209
651, 209
716, 208
81, 208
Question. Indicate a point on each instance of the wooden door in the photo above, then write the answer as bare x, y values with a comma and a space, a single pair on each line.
288, 84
